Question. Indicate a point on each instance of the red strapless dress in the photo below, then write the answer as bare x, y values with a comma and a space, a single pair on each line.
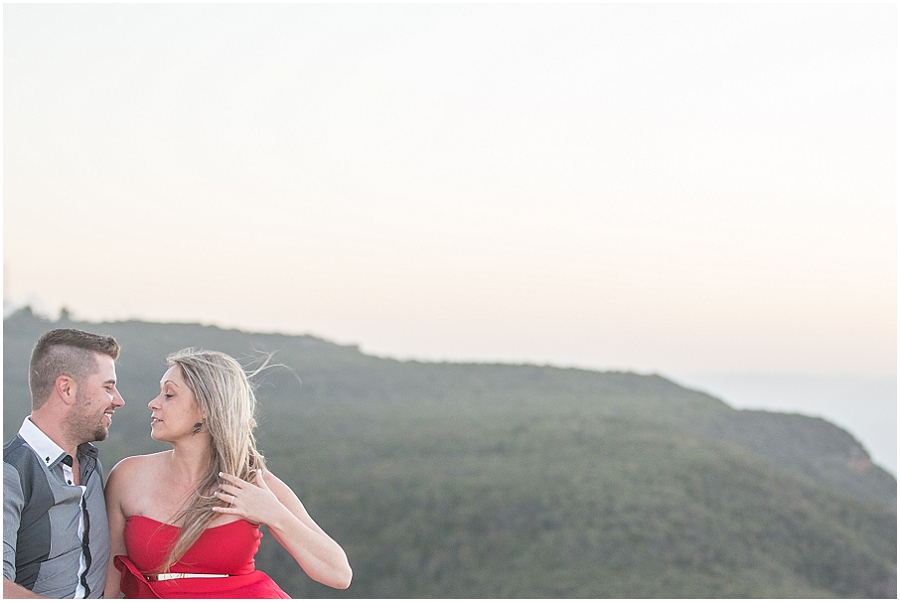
227, 549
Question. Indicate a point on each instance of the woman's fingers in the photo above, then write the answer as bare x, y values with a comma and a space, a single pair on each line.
225, 496
231, 489
232, 479
241, 497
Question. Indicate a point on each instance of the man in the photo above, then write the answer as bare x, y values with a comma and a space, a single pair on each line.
55, 533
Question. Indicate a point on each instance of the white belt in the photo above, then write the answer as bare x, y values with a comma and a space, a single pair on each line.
167, 576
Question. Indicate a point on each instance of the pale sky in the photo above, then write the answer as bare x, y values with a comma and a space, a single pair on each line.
666, 188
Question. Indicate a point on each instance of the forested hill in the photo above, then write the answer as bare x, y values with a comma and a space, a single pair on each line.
474, 480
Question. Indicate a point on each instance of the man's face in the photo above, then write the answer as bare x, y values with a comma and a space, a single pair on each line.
96, 399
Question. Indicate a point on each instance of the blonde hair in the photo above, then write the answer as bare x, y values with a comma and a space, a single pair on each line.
223, 392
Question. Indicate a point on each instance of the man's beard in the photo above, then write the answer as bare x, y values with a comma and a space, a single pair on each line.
82, 427
100, 433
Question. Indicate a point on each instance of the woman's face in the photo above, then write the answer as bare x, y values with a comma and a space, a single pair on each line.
173, 413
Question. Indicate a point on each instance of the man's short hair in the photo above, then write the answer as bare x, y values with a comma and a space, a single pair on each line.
65, 351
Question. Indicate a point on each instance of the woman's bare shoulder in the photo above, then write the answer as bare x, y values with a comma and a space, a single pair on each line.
132, 466
131, 483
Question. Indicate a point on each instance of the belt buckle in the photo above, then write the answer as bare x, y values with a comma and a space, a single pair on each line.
167, 576
164, 576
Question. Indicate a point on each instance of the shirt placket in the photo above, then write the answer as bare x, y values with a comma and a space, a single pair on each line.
82, 590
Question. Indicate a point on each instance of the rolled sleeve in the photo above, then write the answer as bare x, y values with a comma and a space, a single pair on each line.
13, 501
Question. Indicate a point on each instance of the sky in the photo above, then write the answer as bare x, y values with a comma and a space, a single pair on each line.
685, 189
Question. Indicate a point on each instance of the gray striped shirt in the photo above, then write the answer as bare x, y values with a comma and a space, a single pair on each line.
55, 533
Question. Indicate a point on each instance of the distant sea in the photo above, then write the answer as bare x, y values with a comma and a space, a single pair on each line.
864, 406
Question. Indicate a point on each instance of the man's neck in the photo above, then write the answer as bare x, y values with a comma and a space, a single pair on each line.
52, 426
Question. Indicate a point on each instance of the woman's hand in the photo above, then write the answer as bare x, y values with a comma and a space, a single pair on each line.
269, 501
253, 502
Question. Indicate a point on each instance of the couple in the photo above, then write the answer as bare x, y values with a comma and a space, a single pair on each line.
183, 523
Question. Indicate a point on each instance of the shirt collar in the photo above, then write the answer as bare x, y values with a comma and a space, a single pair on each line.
48, 451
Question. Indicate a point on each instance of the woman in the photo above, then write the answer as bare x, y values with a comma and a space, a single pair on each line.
184, 523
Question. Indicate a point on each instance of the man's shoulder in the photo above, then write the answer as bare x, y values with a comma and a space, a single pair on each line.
24, 478
16, 441
15, 451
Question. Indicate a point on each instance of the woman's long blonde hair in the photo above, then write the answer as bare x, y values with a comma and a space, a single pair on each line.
225, 396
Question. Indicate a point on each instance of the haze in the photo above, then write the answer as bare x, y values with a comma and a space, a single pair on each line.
683, 189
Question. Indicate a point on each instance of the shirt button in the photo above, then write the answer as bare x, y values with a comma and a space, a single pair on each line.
47, 459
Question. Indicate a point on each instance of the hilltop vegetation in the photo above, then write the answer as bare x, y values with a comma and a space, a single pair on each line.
473, 480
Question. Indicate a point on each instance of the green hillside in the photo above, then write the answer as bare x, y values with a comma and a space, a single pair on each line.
475, 480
